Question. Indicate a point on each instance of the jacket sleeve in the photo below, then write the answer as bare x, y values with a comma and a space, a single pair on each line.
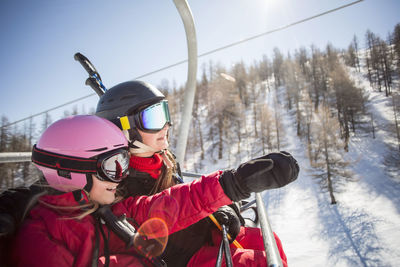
181, 205
33, 247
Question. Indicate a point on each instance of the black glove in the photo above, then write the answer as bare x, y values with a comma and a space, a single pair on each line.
267, 172
227, 216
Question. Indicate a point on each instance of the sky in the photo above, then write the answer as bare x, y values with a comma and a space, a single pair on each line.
125, 39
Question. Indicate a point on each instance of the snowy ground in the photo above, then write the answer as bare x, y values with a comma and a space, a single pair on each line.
363, 229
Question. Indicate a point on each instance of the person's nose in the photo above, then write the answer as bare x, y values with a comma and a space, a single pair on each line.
166, 127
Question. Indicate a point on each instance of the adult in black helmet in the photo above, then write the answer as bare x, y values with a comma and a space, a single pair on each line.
141, 111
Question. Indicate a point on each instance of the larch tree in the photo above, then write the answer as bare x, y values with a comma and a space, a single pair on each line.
332, 168
277, 65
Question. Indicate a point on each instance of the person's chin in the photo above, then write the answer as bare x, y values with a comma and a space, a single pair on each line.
108, 201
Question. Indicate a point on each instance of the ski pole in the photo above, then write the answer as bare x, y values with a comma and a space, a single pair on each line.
235, 242
224, 249
228, 256
94, 79
271, 249
218, 263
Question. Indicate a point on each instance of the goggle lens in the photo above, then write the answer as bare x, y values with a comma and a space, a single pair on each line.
115, 167
156, 116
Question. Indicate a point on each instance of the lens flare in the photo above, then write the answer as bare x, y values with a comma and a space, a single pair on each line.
151, 238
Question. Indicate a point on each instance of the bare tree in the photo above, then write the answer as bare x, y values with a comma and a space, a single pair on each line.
46, 121
349, 101
4, 141
353, 54
277, 121
240, 74
200, 103
328, 158
307, 114
254, 94
396, 44
266, 123
277, 65
319, 76
369, 36
303, 61
357, 54
4, 134
396, 112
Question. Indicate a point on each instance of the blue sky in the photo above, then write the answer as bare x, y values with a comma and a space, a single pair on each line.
126, 39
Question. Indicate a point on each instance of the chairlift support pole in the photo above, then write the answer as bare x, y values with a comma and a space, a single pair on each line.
188, 22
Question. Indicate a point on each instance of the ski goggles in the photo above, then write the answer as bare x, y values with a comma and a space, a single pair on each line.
113, 166
110, 166
151, 119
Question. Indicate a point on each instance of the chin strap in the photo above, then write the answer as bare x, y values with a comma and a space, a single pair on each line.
139, 147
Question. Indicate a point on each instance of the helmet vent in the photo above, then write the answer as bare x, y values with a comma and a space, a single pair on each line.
128, 97
97, 149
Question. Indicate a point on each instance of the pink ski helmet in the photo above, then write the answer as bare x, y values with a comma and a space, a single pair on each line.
72, 149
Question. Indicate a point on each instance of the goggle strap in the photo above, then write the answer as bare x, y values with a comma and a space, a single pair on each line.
62, 162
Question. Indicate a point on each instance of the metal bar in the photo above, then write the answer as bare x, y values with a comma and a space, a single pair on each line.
192, 174
247, 206
273, 257
12, 157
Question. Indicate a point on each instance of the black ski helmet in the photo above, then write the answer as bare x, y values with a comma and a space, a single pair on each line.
125, 99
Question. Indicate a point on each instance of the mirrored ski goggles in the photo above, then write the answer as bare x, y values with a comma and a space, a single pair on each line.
111, 166
151, 119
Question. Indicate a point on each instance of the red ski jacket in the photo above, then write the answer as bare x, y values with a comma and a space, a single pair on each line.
49, 237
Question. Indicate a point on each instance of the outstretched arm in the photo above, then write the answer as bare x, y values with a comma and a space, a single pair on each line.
181, 205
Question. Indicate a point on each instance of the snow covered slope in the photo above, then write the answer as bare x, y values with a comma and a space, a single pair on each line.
363, 229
